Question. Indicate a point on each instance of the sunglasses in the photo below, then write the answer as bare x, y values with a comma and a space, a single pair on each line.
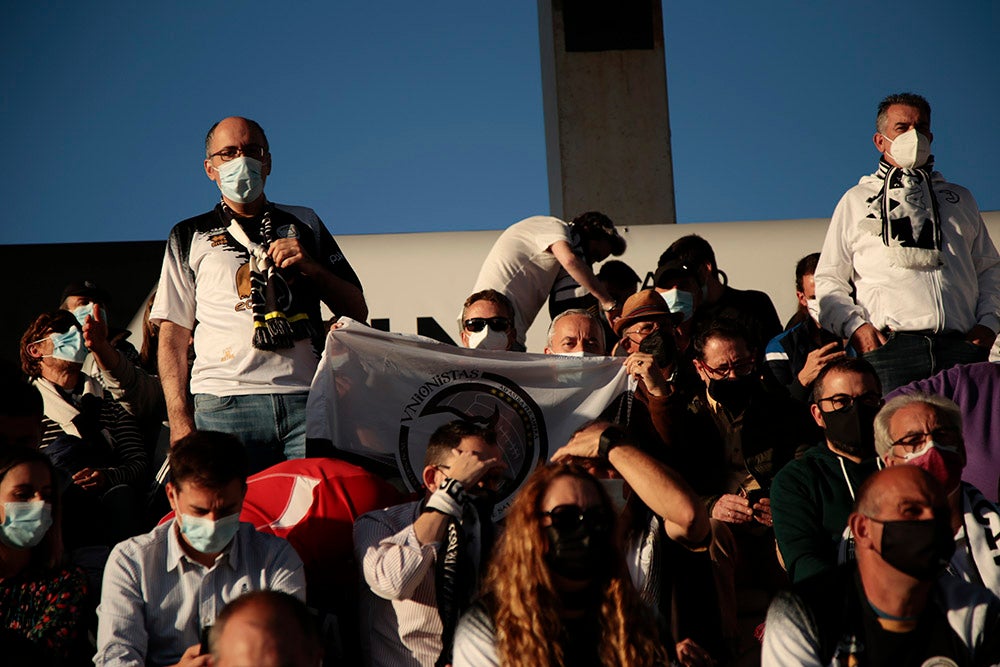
568, 518
476, 324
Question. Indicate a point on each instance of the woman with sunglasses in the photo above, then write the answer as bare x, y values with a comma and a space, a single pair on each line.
40, 601
557, 591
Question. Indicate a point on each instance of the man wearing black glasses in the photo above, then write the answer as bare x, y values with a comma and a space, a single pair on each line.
251, 273
755, 433
813, 495
488, 322
747, 435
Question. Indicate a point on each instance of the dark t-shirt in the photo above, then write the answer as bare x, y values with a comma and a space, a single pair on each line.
932, 638
831, 613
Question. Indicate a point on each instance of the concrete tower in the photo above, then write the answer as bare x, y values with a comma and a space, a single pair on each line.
607, 130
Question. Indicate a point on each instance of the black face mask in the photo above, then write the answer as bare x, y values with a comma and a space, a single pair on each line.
920, 549
734, 395
852, 430
579, 554
661, 347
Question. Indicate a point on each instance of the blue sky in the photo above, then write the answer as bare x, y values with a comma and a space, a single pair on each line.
412, 117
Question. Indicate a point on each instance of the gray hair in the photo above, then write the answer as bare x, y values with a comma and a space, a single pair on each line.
577, 311
947, 411
907, 99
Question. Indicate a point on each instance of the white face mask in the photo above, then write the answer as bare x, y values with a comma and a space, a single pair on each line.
578, 353
488, 339
812, 305
910, 149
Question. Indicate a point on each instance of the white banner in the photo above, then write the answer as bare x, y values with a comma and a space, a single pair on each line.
381, 395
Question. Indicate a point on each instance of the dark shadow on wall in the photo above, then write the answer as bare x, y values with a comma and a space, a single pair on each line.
37, 274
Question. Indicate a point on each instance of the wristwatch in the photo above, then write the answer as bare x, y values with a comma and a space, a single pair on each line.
611, 437
614, 304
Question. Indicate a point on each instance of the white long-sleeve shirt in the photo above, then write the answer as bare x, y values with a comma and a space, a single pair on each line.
954, 297
155, 600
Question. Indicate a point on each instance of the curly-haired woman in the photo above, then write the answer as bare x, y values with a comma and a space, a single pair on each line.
557, 591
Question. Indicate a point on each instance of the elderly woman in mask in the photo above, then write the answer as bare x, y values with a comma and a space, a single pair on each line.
40, 601
92, 440
557, 591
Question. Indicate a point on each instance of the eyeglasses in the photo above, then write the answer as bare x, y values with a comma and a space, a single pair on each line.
739, 369
909, 443
640, 332
567, 518
840, 402
475, 324
256, 151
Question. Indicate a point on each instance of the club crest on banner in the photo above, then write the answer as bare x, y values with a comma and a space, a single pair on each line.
483, 398
379, 396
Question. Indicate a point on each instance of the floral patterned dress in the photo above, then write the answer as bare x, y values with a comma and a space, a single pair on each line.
45, 606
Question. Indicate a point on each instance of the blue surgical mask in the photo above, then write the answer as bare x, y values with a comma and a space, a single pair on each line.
67, 346
679, 301
25, 524
207, 536
81, 313
241, 180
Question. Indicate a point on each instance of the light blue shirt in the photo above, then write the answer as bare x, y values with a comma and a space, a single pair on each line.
155, 600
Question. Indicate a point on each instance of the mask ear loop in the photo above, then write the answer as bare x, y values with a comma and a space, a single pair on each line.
926, 448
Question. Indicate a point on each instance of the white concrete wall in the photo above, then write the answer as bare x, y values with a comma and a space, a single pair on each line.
406, 276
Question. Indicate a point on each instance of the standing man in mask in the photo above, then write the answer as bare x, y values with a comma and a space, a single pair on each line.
925, 430
891, 607
251, 273
908, 271
813, 495
421, 560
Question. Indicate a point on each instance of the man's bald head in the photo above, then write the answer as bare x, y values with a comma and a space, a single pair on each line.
885, 490
265, 629
252, 124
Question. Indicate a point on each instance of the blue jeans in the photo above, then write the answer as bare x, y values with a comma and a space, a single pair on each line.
908, 357
272, 427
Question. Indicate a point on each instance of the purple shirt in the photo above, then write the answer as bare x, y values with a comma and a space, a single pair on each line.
976, 390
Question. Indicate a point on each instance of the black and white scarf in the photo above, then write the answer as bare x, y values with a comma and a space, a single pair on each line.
981, 519
277, 320
466, 546
906, 212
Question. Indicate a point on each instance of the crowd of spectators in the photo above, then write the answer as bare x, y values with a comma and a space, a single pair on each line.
821, 493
